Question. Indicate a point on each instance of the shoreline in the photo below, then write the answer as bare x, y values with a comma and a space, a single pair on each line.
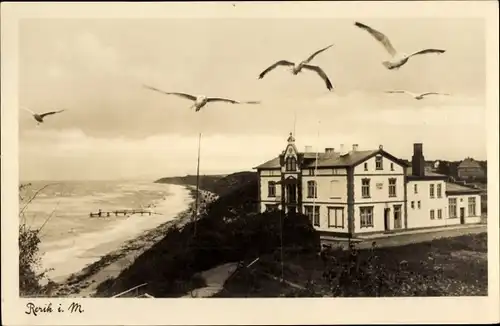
85, 282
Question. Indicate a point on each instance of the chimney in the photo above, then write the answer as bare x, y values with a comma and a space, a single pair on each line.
329, 150
418, 161
308, 149
343, 151
354, 147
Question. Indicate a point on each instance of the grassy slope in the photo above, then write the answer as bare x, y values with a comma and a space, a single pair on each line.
229, 230
440, 267
455, 266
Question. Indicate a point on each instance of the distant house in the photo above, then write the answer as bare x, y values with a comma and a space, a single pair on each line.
469, 169
353, 191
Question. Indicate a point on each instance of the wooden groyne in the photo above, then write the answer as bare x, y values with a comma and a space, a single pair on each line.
120, 212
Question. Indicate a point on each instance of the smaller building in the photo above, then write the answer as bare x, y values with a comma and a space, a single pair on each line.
464, 203
469, 169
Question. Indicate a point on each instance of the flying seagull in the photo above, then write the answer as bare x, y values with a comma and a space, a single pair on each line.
397, 59
416, 96
297, 68
201, 101
39, 116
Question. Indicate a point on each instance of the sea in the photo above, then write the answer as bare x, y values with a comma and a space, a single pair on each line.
72, 239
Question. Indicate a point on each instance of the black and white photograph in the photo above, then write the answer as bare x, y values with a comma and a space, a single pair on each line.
223, 154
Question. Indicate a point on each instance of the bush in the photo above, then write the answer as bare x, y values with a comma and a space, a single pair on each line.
29, 278
29, 259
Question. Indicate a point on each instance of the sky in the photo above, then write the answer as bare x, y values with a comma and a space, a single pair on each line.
113, 128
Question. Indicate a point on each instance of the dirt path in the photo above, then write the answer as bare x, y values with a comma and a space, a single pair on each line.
215, 279
404, 239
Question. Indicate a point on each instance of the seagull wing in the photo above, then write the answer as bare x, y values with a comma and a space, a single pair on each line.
220, 99
379, 37
438, 51
401, 91
28, 110
50, 113
187, 96
397, 91
433, 93
316, 53
321, 73
279, 63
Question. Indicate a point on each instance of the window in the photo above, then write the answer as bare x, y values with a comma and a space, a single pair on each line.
365, 188
366, 166
412, 204
392, 166
312, 189
334, 192
440, 214
415, 188
314, 218
452, 207
439, 190
336, 217
366, 217
392, 187
291, 164
418, 204
431, 190
472, 206
271, 189
378, 163
432, 214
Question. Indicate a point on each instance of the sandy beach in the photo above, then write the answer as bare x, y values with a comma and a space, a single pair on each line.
120, 250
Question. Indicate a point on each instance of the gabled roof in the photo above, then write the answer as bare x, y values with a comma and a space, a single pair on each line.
456, 189
469, 163
336, 160
333, 159
271, 164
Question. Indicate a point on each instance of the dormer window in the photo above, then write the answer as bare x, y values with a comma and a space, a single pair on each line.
291, 164
378, 163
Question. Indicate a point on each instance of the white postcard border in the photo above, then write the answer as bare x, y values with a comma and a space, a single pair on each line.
241, 311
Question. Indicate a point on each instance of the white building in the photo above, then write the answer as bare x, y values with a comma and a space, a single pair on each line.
363, 191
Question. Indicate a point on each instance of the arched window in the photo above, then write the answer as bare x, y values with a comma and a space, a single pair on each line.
312, 191
291, 164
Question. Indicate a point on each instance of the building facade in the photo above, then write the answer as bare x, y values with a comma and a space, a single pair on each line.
469, 169
354, 191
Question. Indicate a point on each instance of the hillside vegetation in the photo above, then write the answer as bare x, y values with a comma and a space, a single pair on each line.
229, 230
218, 184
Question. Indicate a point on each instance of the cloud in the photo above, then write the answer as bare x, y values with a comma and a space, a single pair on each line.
86, 54
95, 68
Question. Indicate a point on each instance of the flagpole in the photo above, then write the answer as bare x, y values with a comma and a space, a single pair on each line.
295, 123
197, 185
316, 173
